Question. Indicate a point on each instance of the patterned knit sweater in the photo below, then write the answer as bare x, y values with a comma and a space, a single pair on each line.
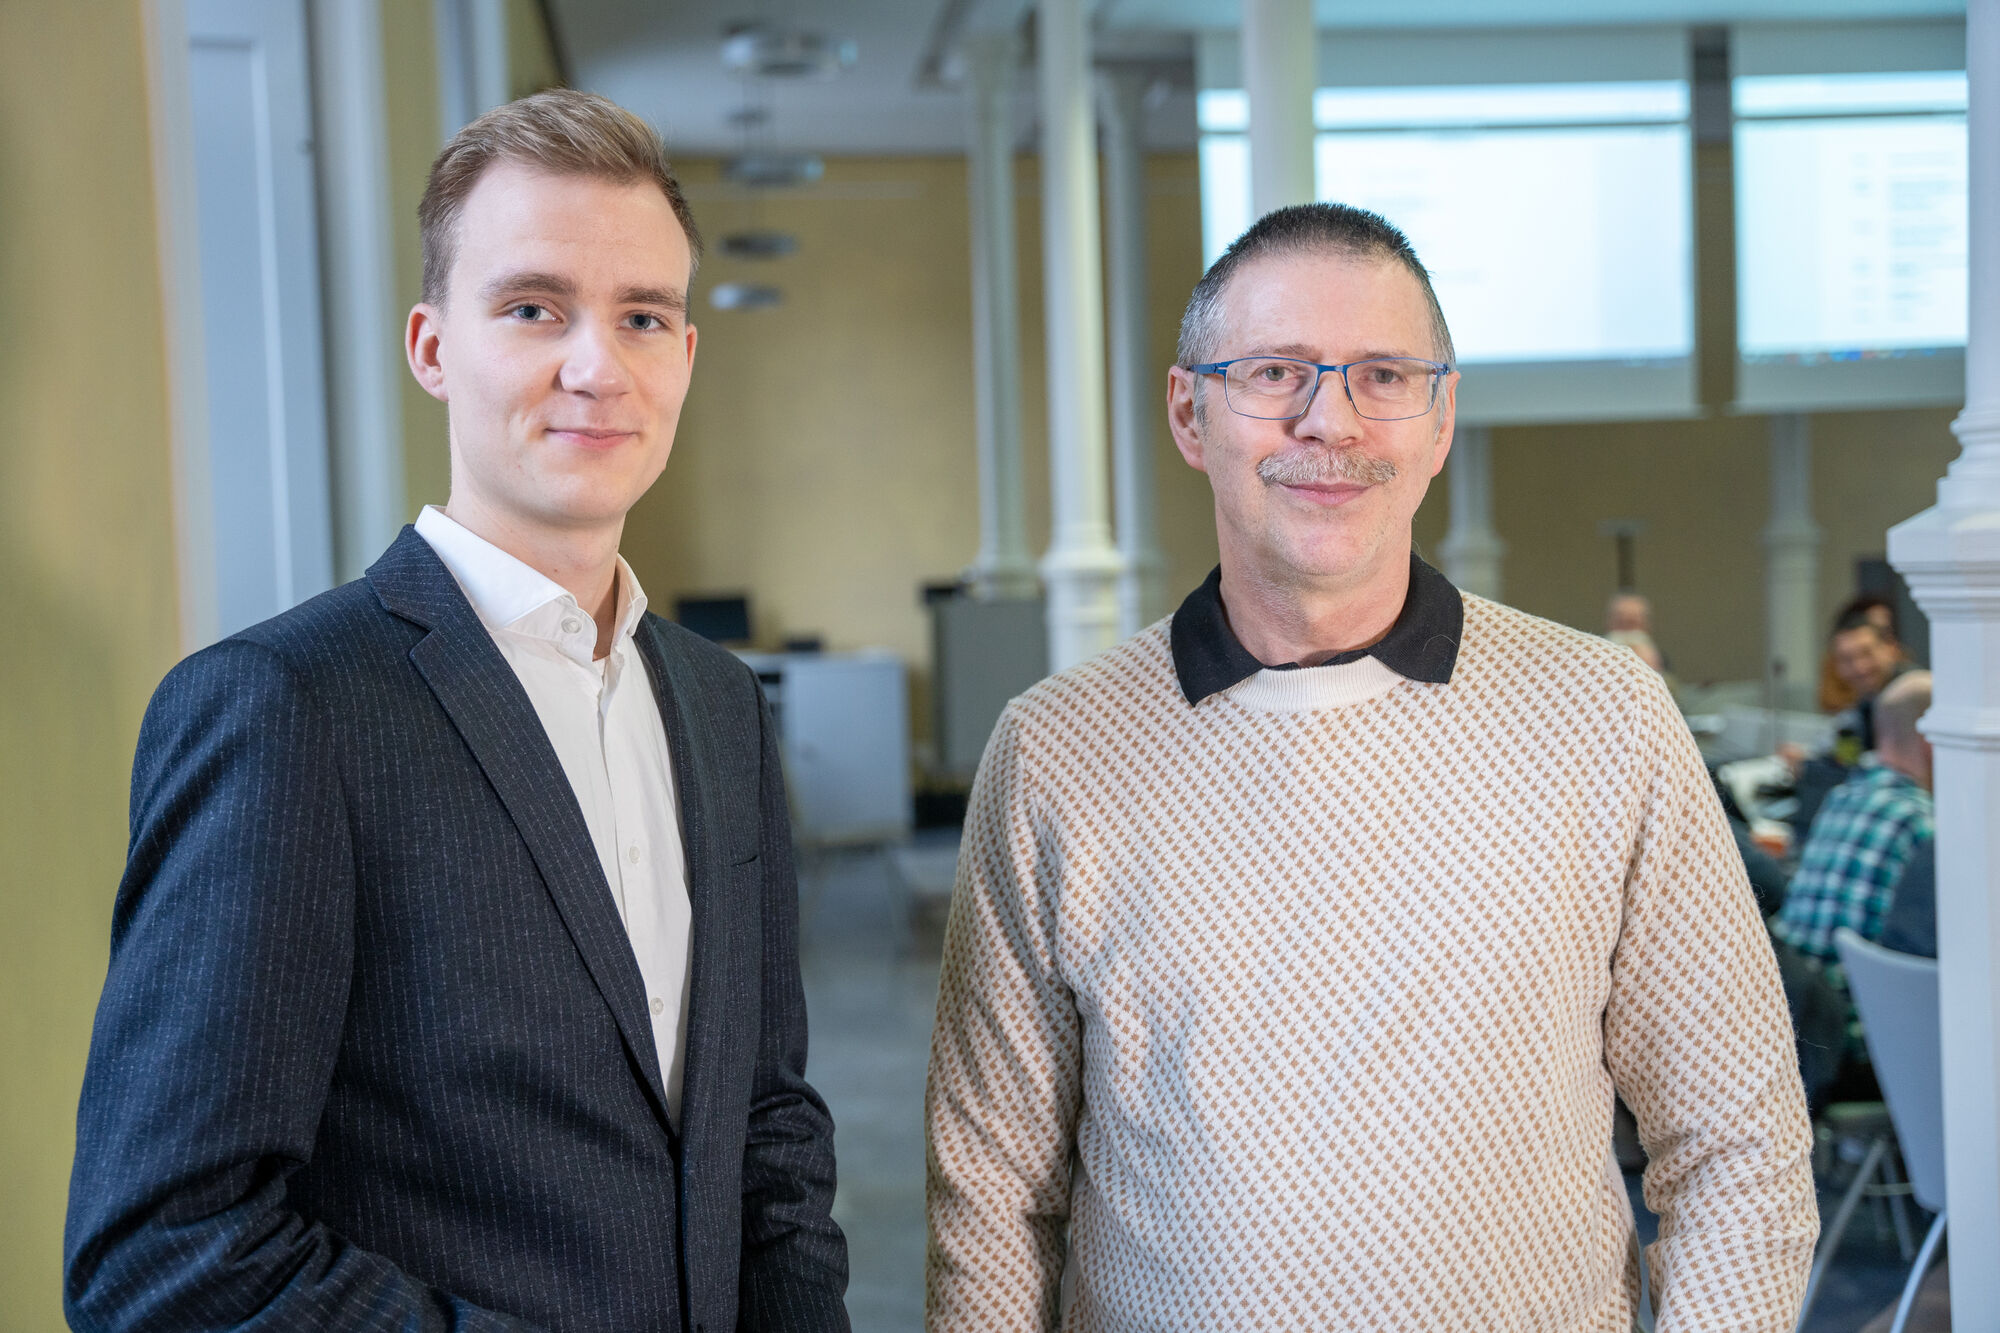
1302, 1008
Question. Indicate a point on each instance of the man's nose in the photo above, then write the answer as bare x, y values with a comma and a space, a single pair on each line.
1330, 416
594, 363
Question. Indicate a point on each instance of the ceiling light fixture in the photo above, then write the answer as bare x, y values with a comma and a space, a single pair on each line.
765, 51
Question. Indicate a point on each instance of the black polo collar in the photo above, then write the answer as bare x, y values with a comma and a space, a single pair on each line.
1421, 645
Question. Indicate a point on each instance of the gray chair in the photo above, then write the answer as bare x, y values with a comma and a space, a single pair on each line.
1896, 995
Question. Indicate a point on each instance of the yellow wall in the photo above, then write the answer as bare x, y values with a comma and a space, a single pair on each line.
87, 565
409, 45
531, 54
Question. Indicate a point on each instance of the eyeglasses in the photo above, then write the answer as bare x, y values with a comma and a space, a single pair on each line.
1278, 388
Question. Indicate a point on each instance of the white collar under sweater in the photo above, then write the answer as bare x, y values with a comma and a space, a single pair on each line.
1303, 689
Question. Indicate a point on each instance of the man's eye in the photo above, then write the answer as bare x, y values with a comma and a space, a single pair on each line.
528, 311
647, 323
1274, 373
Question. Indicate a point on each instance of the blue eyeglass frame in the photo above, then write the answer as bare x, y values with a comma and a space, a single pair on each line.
1439, 368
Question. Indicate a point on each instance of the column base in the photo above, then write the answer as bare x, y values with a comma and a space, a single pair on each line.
995, 579
1082, 583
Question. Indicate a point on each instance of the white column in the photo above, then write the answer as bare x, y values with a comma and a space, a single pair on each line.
1135, 408
364, 371
1950, 555
487, 31
178, 228
472, 59
1002, 568
1081, 568
1791, 569
1472, 550
1279, 70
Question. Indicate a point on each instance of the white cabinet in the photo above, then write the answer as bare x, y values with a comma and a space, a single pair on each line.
844, 730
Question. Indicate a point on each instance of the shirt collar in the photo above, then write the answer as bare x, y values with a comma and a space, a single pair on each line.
509, 594
1422, 645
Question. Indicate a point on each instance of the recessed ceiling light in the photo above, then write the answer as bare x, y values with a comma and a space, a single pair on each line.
784, 53
758, 244
744, 296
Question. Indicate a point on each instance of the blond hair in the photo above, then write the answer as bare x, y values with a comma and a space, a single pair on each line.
562, 131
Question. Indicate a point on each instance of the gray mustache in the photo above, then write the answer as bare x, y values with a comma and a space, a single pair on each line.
1317, 467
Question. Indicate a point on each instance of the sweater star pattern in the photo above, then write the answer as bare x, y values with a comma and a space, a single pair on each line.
1325, 984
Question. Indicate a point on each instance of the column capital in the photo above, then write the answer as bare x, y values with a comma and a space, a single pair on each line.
997, 578
1949, 556
1951, 562
1973, 480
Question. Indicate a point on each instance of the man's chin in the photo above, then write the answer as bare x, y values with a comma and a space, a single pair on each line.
1329, 561
580, 513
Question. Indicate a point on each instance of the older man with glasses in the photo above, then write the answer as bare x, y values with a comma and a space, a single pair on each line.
1302, 942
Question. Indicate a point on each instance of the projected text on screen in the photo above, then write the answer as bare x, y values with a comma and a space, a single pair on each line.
1851, 214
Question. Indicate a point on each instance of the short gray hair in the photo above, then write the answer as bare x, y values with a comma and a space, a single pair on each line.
1339, 229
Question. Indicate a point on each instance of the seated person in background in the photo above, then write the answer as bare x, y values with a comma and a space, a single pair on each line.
1628, 619
1866, 657
1911, 925
1835, 693
1866, 831
1865, 834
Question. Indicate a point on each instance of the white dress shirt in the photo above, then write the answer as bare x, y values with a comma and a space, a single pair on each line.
604, 722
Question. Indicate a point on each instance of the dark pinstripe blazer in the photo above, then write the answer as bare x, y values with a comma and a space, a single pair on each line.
373, 1052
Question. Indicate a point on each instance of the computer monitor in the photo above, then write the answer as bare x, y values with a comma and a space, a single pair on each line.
717, 617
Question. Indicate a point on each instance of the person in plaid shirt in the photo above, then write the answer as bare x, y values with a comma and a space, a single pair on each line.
1865, 833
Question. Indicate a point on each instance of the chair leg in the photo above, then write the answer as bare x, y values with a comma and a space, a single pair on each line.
1917, 1270
1899, 1204
1829, 1240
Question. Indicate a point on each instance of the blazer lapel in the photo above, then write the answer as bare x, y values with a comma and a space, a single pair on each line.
486, 702
691, 743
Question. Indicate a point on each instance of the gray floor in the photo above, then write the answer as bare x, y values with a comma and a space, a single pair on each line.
871, 986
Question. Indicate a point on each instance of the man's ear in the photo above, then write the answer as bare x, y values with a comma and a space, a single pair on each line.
421, 349
1182, 419
1447, 421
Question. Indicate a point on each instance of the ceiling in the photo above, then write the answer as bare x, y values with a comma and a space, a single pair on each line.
663, 58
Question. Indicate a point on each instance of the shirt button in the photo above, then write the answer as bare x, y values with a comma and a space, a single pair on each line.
632, 853
659, 1006
571, 624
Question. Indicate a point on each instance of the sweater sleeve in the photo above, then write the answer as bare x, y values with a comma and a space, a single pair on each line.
1700, 1046
1005, 1069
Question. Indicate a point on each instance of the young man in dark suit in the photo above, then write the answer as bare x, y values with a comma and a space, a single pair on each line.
454, 979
